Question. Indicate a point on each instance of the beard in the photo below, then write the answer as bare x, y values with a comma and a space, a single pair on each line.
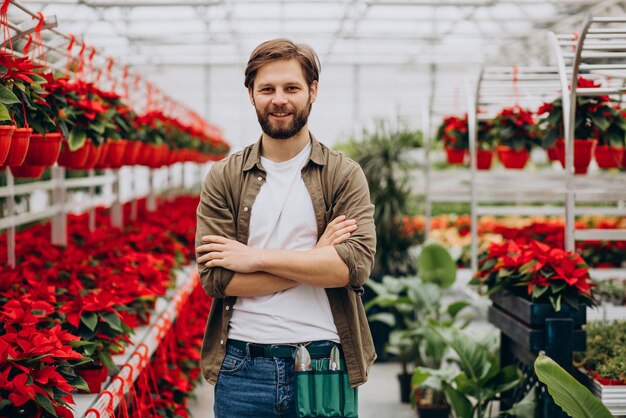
283, 129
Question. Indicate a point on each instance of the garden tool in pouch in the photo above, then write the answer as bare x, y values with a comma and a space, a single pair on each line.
323, 388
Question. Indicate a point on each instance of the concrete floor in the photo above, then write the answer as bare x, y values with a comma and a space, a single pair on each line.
378, 398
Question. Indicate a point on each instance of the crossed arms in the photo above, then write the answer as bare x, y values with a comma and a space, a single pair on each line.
260, 271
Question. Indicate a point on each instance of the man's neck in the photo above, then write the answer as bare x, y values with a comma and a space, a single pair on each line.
279, 150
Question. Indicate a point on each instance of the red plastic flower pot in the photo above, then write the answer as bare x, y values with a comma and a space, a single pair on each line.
131, 153
94, 155
43, 151
28, 171
510, 158
553, 155
101, 159
145, 154
608, 157
6, 134
484, 158
19, 146
93, 376
583, 150
115, 153
73, 159
455, 156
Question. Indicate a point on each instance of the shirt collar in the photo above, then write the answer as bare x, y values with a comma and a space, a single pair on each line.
254, 158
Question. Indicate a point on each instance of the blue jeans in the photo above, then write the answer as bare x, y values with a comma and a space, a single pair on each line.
257, 387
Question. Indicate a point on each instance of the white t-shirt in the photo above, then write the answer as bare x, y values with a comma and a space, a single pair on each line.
301, 313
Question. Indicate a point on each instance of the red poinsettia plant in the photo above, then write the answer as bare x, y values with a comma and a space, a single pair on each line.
514, 127
537, 272
453, 133
594, 116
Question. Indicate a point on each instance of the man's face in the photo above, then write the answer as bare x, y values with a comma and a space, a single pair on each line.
282, 99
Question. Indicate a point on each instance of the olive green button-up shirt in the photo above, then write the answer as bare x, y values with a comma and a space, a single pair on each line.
337, 186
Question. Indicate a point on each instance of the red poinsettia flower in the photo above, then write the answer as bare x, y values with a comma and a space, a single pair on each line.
17, 68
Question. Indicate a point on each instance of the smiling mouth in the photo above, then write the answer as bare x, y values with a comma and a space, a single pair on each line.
279, 115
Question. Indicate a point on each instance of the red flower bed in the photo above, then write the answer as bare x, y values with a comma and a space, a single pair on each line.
64, 306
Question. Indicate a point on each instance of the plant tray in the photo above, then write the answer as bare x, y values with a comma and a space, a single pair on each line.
535, 314
531, 339
613, 397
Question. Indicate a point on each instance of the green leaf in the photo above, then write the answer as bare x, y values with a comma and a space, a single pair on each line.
384, 317
77, 138
113, 320
575, 399
45, 403
473, 358
455, 307
435, 265
79, 383
90, 319
526, 407
461, 406
7, 96
4, 112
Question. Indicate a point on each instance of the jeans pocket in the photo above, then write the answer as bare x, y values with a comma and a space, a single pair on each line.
232, 363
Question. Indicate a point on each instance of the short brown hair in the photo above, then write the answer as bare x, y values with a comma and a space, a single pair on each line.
283, 49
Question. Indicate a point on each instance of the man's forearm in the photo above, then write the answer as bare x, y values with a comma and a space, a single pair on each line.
257, 284
320, 267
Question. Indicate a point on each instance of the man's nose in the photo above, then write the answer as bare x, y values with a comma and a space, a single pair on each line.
279, 99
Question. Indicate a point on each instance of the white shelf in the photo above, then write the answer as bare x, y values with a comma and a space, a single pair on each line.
166, 311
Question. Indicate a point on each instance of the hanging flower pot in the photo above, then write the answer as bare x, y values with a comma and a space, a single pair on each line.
131, 153
42, 150
116, 150
73, 159
145, 154
94, 155
553, 155
28, 171
102, 158
93, 375
159, 155
6, 134
583, 150
484, 158
455, 156
608, 157
19, 146
510, 158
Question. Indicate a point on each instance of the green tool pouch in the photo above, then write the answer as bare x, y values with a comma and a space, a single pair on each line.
323, 389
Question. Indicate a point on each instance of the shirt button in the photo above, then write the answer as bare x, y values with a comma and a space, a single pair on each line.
245, 209
227, 307
221, 342
260, 178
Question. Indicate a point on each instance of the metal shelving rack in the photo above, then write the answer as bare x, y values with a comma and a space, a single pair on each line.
598, 51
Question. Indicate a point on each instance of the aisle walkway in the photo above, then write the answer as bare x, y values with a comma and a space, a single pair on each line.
378, 398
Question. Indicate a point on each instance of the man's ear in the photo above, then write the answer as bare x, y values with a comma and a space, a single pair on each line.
251, 95
313, 92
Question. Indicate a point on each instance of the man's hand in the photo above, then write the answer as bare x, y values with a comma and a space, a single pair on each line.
228, 253
337, 231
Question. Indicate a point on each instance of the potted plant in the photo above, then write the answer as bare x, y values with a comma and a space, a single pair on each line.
514, 132
593, 115
609, 152
413, 304
485, 145
536, 272
473, 379
453, 135
21, 89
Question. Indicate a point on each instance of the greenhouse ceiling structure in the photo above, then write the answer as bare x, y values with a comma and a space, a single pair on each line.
428, 48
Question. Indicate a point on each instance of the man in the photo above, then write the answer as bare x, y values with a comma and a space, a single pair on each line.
280, 273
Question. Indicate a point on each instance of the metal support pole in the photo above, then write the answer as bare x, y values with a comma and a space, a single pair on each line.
472, 121
356, 97
10, 213
151, 204
117, 215
59, 221
92, 211
426, 133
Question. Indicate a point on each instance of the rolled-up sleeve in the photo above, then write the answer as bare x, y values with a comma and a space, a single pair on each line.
352, 199
214, 217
